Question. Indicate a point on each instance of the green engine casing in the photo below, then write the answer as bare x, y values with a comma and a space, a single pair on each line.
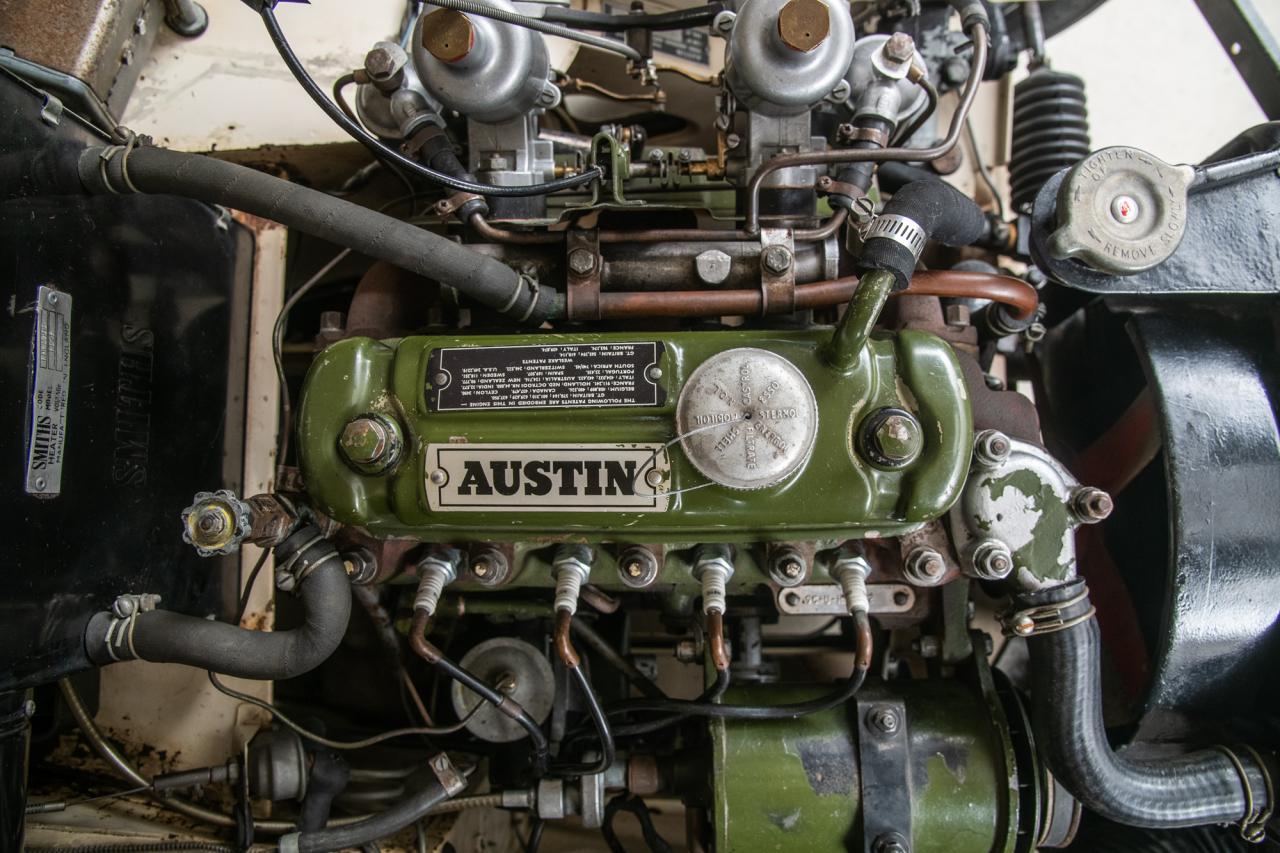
836, 495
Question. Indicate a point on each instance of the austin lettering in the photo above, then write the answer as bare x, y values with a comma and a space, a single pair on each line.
592, 477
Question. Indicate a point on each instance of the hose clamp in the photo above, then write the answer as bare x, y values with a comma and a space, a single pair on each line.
1048, 618
901, 230
1253, 823
124, 616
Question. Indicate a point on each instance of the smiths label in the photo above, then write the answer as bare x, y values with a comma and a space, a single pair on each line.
547, 477
551, 376
50, 380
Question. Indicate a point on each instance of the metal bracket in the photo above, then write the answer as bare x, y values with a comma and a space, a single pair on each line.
582, 298
777, 271
885, 770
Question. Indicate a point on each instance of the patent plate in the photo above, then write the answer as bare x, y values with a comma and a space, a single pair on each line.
828, 600
50, 380
547, 477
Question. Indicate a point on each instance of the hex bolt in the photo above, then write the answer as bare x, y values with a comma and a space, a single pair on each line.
776, 259
713, 567
385, 65
958, 316
489, 566
992, 560
364, 441
851, 571
924, 567
435, 571
788, 566
582, 261
899, 48
361, 565
991, 448
637, 566
571, 567
892, 438
884, 719
1091, 505
713, 266
804, 24
890, 842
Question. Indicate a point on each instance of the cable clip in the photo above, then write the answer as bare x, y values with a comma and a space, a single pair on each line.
1046, 619
1253, 824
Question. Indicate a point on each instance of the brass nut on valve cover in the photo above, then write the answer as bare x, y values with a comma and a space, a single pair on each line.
804, 24
448, 35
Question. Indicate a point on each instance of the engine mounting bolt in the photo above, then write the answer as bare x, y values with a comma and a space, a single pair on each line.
571, 568
992, 560
638, 566
1124, 209
924, 567
991, 448
448, 35
884, 720
788, 566
900, 48
582, 261
776, 259
1091, 505
804, 24
713, 566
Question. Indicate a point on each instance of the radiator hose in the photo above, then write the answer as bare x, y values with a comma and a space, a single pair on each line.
120, 169
1224, 785
163, 636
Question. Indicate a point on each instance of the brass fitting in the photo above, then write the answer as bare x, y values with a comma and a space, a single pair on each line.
804, 24
447, 35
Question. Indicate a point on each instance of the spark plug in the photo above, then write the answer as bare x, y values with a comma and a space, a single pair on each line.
713, 567
571, 568
850, 571
435, 571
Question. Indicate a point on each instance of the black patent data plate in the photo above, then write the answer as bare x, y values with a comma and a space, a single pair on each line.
545, 376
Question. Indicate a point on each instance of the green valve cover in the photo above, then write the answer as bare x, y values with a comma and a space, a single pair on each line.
665, 437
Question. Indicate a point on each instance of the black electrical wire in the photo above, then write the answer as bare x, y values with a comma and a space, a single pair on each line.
841, 695
681, 19
535, 835
248, 585
390, 155
601, 722
713, 693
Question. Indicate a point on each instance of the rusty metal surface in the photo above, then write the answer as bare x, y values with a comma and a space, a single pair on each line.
103, 43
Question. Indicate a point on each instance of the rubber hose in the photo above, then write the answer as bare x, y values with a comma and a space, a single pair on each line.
941, 211
158, 170
1195, 789
404, 813
163, 636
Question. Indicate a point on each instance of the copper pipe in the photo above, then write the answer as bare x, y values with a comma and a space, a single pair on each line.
715, 640
563, 641
1015, 293
493, 233
418, 641
978, 63
863, 644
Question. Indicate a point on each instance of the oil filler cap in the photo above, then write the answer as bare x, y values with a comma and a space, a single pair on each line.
747, 418
1121, 211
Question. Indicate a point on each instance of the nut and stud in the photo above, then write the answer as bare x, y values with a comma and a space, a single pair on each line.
637, 566
713, 567
488, 566
788, 566
884, 720
899, 48
892, 438
361, 566
448, 35
890, 842
1091, 505
924, 567
804, 24
777, 259
571, 567
582, 261
385, 64
436, 570
991, 448
851, 571
992, 560
364, 440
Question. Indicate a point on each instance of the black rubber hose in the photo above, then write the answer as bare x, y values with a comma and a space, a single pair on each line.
941, 211
681, 19
404, 813
160, 171
1195, 789
892, 177
166, 637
